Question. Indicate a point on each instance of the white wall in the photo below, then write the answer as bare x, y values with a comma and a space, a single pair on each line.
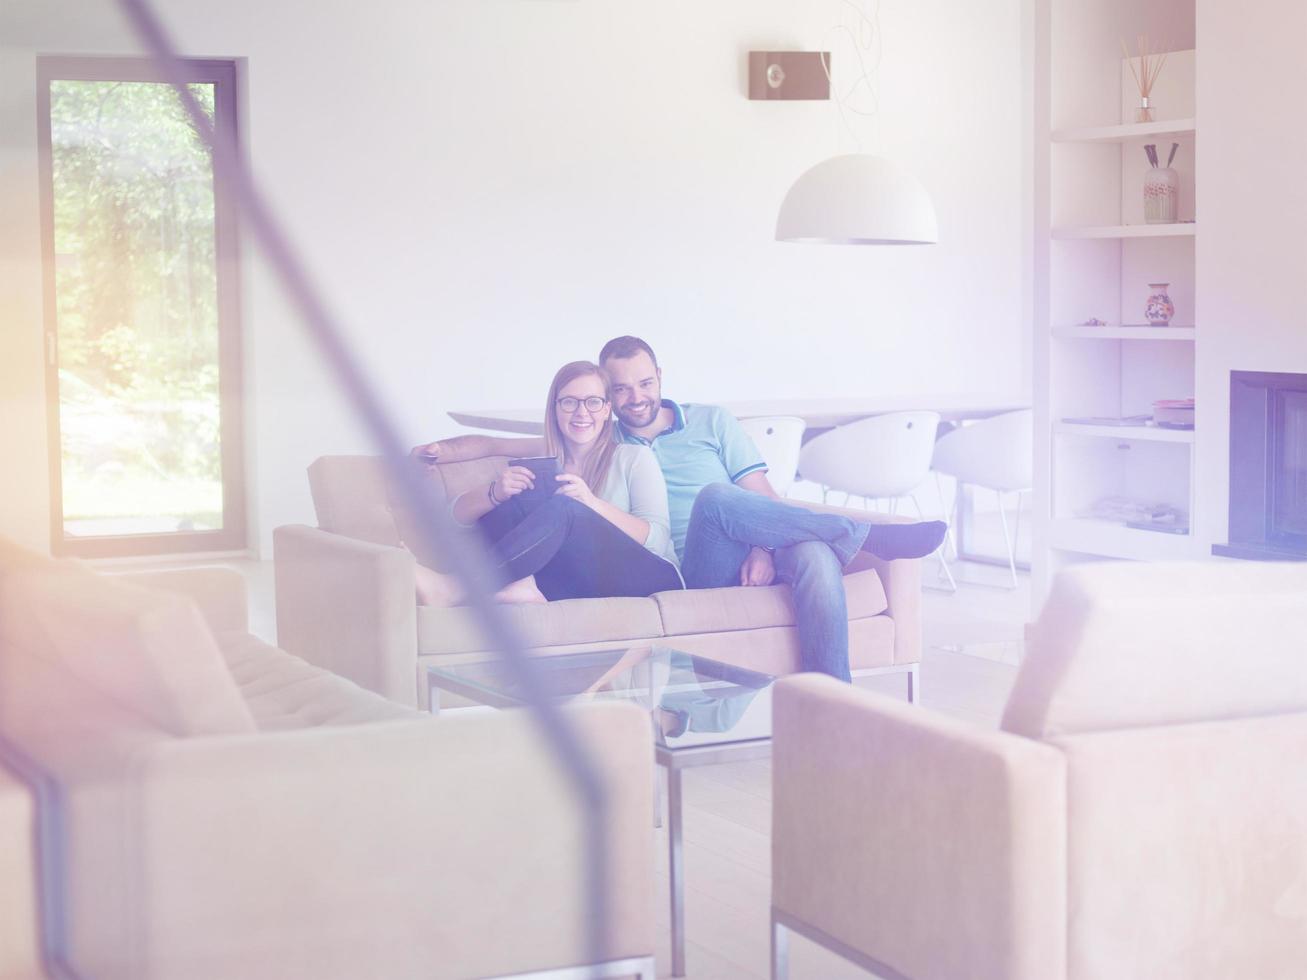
1252, 204
486, 188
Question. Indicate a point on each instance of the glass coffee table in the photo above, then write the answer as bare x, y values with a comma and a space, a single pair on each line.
704, 713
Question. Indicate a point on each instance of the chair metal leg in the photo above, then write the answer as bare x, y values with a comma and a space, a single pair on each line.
950, 514
659, 795
1016, 526
1007, 540
780, 950
914, 684
676, 870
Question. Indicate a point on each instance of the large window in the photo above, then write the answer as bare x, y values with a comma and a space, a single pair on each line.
142, 306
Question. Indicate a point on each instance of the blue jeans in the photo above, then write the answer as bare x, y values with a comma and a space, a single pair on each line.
811, 552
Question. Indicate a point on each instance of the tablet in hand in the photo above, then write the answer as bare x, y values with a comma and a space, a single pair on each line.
544, 469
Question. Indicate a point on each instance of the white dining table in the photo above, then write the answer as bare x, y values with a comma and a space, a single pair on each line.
817, 413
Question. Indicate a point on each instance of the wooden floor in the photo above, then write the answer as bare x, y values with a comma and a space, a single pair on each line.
972, 643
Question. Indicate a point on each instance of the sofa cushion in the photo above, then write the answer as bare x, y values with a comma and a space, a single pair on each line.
284, 692
1125, 644
740, 608
149, 652
775, 649
566, 621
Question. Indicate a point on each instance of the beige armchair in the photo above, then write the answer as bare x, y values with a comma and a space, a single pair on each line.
1142, 816
228, 810
345, 599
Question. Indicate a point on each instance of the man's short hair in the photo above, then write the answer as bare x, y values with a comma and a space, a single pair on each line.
623, 347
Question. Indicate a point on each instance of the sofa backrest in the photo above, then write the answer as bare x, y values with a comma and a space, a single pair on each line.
146, 652
352, 496
1184, 850
1130, 644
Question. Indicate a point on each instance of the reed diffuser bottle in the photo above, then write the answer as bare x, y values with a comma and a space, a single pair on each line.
1161, 188
1145, 76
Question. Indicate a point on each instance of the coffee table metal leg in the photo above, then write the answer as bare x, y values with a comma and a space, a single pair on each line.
676, 870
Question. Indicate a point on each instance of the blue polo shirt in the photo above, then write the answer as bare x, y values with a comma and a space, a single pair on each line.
704, 444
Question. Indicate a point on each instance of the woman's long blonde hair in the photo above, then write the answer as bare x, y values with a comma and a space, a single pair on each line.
595, 470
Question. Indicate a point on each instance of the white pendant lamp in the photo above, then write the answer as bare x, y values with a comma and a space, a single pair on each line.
857, 199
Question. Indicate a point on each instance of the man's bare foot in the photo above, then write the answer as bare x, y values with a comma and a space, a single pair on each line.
437, 589
523, 590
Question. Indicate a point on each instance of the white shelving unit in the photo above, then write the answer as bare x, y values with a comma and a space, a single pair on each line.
1130, 331
1094, 259
1126, 132
1123, 433
1126, 231
1108, 539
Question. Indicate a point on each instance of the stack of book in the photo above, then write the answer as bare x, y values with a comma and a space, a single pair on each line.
1174, 413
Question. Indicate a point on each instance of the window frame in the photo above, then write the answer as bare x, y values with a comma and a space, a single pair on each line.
234, 534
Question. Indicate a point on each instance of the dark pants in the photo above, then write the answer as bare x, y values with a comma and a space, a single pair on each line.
573, 552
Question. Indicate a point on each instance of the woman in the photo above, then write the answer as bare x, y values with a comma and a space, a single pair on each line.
603, 532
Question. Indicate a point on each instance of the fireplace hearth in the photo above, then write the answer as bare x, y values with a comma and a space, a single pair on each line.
1268, 467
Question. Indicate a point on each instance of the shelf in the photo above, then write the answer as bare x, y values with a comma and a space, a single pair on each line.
1125, 133
1111, 539
1179, 230
1125, 433
1125, 333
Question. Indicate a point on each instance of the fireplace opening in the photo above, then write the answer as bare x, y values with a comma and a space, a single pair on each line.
1268, 466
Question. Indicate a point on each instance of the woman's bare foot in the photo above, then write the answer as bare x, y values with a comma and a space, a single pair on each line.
436, 589
523, 590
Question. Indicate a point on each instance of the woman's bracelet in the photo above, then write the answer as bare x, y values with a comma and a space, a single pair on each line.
490, 492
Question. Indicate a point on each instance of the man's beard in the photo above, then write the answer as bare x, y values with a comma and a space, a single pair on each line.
637, 417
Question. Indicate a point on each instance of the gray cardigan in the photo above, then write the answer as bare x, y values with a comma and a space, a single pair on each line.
635, 484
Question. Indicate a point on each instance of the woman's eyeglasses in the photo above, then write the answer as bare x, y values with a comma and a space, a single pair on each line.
592, 404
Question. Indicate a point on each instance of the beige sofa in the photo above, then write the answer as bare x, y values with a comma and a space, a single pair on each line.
1142, 816
345, 599
229, 810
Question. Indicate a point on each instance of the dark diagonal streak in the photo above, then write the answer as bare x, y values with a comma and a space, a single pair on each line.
437, 532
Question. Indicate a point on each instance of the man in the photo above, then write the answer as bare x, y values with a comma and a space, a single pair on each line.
728, 525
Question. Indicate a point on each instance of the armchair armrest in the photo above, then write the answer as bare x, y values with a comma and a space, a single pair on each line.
900, 579
20, 954
933, 847
348, 606
398, 849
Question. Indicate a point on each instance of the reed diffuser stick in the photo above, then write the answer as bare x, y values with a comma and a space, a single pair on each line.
1150, 67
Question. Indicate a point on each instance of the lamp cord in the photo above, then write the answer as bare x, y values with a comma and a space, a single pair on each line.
865, 40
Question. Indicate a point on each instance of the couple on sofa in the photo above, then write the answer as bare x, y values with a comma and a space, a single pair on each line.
645, 481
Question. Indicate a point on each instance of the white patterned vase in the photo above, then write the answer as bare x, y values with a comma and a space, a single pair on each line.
1159, 309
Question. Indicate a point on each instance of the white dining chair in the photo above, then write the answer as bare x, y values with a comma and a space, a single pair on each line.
885, 457
997, 454
778, 438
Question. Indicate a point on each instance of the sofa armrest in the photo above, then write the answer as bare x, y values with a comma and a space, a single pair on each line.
408, 848
934, 847
219, 593
348, 606
900, 579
